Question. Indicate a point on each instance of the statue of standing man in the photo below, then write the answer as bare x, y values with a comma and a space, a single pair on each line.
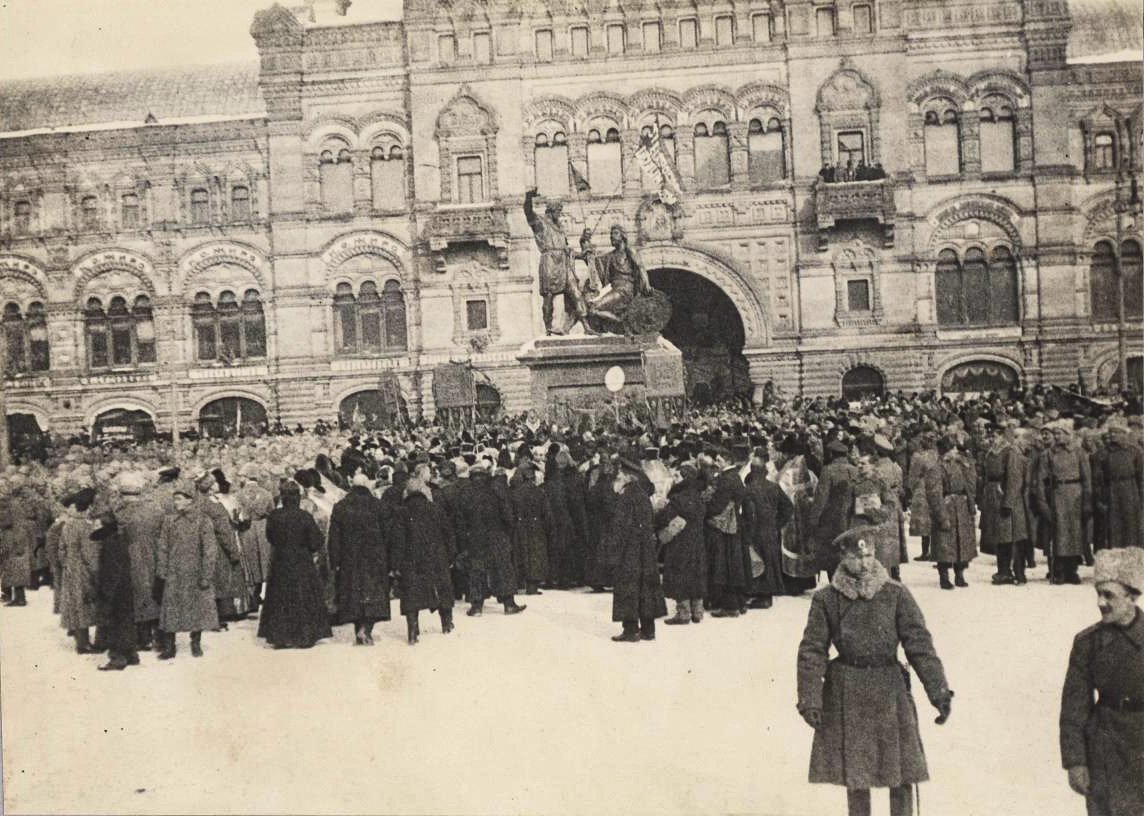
556, 273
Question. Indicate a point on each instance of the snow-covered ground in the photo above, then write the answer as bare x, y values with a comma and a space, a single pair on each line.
537, 713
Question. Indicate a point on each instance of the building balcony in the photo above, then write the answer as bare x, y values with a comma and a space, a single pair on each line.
484, 223
854, 201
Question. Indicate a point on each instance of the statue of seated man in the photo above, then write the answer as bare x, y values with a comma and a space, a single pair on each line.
623, 277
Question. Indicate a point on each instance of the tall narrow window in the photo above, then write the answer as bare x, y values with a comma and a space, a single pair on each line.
942, 140
95, 326
725, 30
345, 317
89, 212
544, 45
551, 161
253, 325
651, 38
200, 206
712, 156
370, 317
143, 321
1102, 283
39, 355
229, 327
15, 342
470, 180
482, 48
605, 162
824, 18
947, 285
240, 203
998, 136
129, 211
121, 332
580, 41
863, 19
761, 28
336, 177
1133, 272
615, 39
858, 295
447, 49
22, 217
476, 315
851, 153
1104, 152
387, 177
1004, 298
975, 286
393, 308
688, 33
203, 322
765, 151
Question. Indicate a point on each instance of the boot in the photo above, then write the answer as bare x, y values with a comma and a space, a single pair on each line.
167, 645
115, 663
925, 556
143, 636
532, 589
413, 630
359, 634
18, 597
631, 633
196, 644
367, 633
1004, 574
1020, 553
858, 802
477, 607
902, 801
896, 573
446, 621
696, 610
682, 614
83, 642
943, 576
959, 575
512, 608
647, 629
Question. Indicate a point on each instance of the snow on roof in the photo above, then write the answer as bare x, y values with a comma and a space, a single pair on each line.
79, 101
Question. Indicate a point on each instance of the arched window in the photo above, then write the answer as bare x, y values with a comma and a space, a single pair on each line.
942, 139
551, 162
129, 211
240, 203
605, 162
370, 321
974, 290
89, 212
15, 342
387, 177
226, 330
862, 381
1102, 283
143, 325
26, 338
998, 136
712, 155
1130, 267
336, 177
121, 335
765, 151
22, 217
200, 206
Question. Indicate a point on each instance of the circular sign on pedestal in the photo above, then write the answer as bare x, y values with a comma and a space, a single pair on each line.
614, 379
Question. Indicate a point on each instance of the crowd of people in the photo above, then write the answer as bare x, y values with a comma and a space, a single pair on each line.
831, 174
719, 512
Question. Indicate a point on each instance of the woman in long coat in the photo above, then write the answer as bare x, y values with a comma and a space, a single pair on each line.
859, 704
359, 559
294, 615
185, 571
532, 527
951, 492
685, 555
637, 599
423, 552
79, 594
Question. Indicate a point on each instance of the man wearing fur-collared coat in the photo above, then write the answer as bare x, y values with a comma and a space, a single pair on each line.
859, 703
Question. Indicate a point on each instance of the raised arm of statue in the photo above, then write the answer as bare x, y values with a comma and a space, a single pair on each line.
529, 210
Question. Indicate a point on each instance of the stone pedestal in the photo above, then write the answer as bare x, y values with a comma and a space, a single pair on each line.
569, 371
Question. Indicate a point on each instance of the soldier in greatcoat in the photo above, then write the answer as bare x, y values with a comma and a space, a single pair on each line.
1064, 496
859, 703
79, 598
766, 511
833, 508
922, 461
1102, 704
952, 508
185, 570
1119, 503
637, 598
140, 519
229, 579
17, 544
116, 595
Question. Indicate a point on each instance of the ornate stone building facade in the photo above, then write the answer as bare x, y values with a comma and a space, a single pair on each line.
350, 208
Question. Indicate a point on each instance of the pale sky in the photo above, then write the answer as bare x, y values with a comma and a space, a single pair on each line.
54, 37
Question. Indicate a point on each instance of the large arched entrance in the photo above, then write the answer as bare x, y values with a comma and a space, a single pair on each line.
861, 382
708, 329
27, 441
980, 377
123, 425
232, 416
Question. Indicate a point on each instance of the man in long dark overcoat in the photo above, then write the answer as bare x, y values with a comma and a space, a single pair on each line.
532, 526
728, 565
685, 554
359, 559
832, 512
423, 550
1004, 527
185, 573
116, 595
566, 552
140, 518
637, 598
1118, 469
487, 516
766, 510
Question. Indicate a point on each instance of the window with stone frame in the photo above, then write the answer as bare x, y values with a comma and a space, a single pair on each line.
482, 47
616, 39
129, 213
1103, 156
550, 158
120, 335
336, 177
227, 331
973, 288
761, 29
240, 209
544, 45
89, 213
724, 31
712, 152
470, 179
368, 320
1104, 286
605, 161
387, 177
824, 22
652, 37
25, 339
857, 300
688, 33
22, 217
942, 124
863, 15
998, 134
579, 36
200, 206
851, 153
477, 315
858, 296
766, 149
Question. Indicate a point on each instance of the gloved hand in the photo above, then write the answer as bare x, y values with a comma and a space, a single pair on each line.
943, 709
1078, 779
812, 717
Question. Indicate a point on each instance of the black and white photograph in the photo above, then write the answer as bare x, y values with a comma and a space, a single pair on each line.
593, 407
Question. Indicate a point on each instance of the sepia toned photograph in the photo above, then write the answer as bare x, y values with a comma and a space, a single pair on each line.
572, 407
